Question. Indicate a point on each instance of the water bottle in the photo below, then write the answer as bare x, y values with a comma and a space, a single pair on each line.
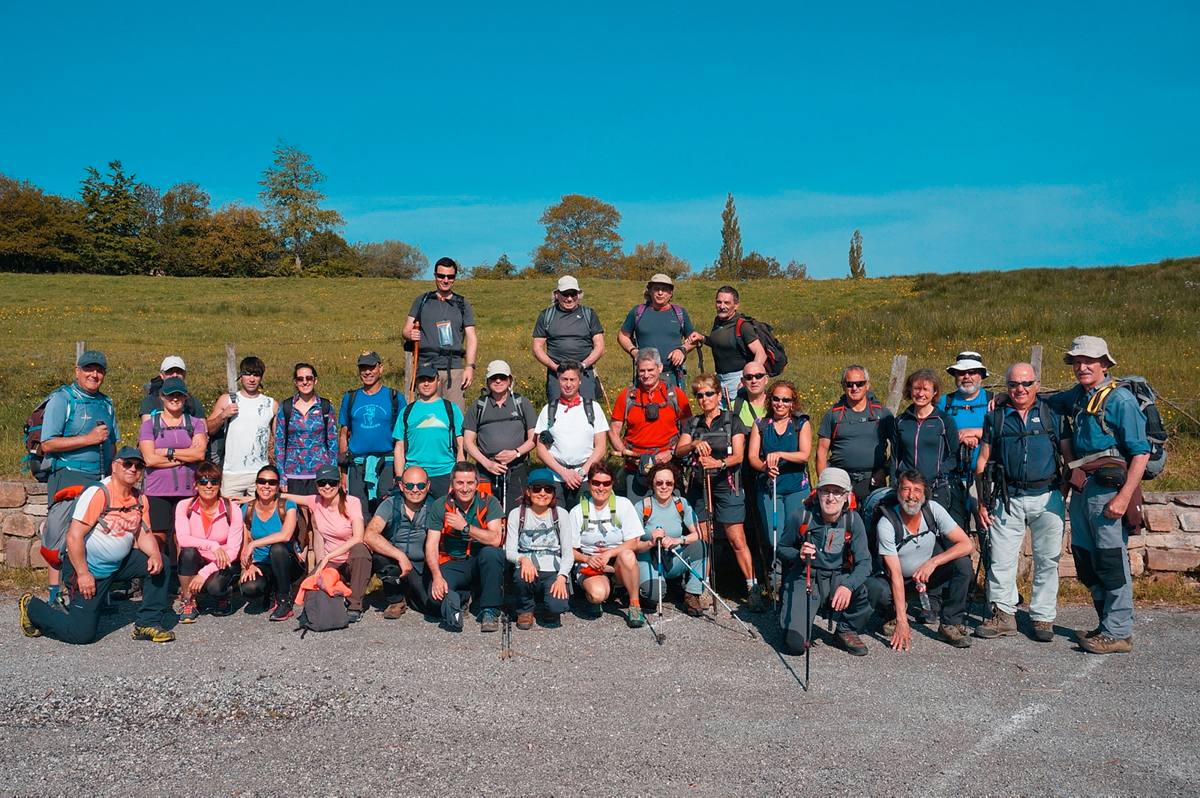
923, 597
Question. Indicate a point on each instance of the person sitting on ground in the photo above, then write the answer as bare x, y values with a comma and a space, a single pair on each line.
834, 538
366, 418
109, 539
498, 435
713, 444
570, 439
152, 401
338, 542
245, 419
734, 344
429, 433
442, 324
926, 439
568, 331
967, 407
854, 433
609, 528
396, 537
669, 520
659, 324
463, 551
930, 553
306, 434
208, 534
539, 544
779, 448
645, 422
270, 559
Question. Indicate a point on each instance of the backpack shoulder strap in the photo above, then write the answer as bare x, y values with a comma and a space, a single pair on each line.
480, 407
647, 509
449, 408
407, 412
348, 401
395, 403
678, 317
551, 412
589, 411
638, 312
612, 509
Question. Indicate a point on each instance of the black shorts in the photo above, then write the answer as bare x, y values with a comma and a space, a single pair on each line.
728, 505
162, 513
302, 487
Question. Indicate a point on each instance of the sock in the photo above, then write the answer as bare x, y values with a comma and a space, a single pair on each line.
54, 591
751, 584
635, 602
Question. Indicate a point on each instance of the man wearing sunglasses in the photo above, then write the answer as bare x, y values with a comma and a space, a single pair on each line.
441, 324
966, 406
1025, 440
396, 538
567, 330
853, 433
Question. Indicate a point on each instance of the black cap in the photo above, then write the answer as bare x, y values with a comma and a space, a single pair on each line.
129, 453
173, 385
369, 359
328, 472
426, 372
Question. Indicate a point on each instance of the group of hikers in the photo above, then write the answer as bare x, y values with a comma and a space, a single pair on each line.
442, 499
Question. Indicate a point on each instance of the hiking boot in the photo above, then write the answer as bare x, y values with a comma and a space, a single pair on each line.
27, 627
591, 611
1103, 644
489, 621
153, 633
693, 604
1043, 631
1001, 624
552, 620
354, 616
755, 601
852, 644
224, 607
452, 611
524, 620
954, 635
282, 611
395, 610
889, 628
188, 611
634, 618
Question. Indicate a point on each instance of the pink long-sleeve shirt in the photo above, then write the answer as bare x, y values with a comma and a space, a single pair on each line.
225, 532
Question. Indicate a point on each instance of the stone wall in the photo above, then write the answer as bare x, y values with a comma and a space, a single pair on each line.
22, 510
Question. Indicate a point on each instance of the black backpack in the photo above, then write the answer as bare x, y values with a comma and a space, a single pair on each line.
215, 452
459, 302
322, 613
777, 358
589, 412
881, 503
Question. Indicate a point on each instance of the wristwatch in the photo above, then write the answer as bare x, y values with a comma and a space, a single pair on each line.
171, 454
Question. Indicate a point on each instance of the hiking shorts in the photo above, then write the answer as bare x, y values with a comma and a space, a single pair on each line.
237, 486
729, 506
162, 513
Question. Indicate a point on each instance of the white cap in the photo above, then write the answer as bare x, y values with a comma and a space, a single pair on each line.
172, 362
835, 477
497, 367
568, 283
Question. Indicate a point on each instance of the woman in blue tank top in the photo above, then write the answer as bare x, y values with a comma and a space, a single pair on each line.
269, 560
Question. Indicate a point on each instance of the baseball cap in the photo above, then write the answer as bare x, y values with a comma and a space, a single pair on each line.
369, 359
129, 453
834, 477
541, 476
92, 357
328, 472
497, 367
568, 283
173, 385
426, 371
172, 362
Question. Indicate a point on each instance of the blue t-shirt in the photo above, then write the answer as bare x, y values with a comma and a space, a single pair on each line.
667, 517
372, 424
260, 529
1125, 421
966, 414
73, 411
428, 439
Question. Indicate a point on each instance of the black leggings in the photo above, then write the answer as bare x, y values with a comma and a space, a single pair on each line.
275, 576
219, 584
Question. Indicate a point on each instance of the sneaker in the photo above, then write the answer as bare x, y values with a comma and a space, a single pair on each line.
755, 602
1043, 631
1001, 624
223, 607
153, 633
852, 644
188, 612
27, 627
591, 611
954, 635
1103, 644
452, 611
281, 611
634, 618
693, 605
524, 620
489, 621
354, 616
395, 610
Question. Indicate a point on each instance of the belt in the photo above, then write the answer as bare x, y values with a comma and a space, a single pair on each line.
1035, 485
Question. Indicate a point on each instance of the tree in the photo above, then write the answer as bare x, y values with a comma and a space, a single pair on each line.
115, 218
237, 242
39, 232
858, 266
392, 259
650, 259
796, 270
292, 198
581, 237
756, 266
730, 256
502, 269
183, 222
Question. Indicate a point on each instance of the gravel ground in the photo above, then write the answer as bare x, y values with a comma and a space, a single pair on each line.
241, 706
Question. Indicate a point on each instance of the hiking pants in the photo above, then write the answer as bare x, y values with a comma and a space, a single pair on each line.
356, 572
451, 380
649, 583
636, 486
218, 585
66, 478
513, 482
587, 385
794, 618
568, 498
276, 575
949, 584
528, 593
384, 480
486, 566
1043, 514
410, 588
730, 382
78, 625
1098, 545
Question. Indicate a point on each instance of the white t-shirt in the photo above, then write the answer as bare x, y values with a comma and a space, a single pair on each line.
917, 549
107, 549
600, 532
249, 434
548, 550
574, 438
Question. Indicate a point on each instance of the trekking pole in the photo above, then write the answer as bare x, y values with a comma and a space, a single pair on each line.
712, 524
709, 588
506, 636
776, 568
700, 356
412, 381
603, 393
807, 618
659, 637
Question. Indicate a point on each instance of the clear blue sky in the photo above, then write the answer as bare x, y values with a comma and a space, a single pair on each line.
956, 136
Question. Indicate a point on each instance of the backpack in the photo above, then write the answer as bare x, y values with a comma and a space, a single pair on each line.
548, 315
322, 613
742, 401
672, 399
556, 551
481, 405
810, 505
777, 358
250, 512
215, 451
348, 400
459, 302
996, 423
35, 461
640, 311
589, 411
480, 521
58, 519
449, 424
585, 503
156, 426
289, 406
720, 434
840, 409
1147, 401
648, 510
884, 502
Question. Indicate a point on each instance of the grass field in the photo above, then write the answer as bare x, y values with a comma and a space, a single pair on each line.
1149, 314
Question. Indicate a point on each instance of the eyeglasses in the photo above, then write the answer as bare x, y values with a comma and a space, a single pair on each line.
450, 276
664, 483
207, 482
783, 400
541, 489
365, 367
704, 394
666, 289
569, 294
415, 485
969, 373
1021, 383
134, 465
264, 481
854, 383
759, 376
328, 483
601, 483
306, 379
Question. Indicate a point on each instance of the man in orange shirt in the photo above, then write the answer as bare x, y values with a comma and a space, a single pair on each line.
649, 414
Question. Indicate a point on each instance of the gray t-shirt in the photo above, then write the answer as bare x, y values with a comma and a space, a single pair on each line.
658, 328
856, 441
568, 335
916, 549
443, 325
500, 427
406, 534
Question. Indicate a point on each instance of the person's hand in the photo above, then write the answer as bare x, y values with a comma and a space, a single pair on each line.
1116, 506
841, 598
970, 437
154, 563
597, 561
695, 338
506, 456
321, 565
657, 534
438, 588
711, 463
808, 551
571, 478
633, 353
468, 375
196, 583
98, 435
405, 564
662, 457
415, 333
705, 532
985, 518
221, 558
559, 588
923, 573
772, 461
677, 356
87, 583
670, 543
528, 572
456, 520
495, 467
231, 410
249, 574
703, 449
902, 637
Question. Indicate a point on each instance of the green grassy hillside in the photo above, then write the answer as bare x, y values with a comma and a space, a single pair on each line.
1149, 314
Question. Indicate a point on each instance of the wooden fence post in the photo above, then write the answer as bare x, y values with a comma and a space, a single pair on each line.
896, 382
1035, 360
231, 375
80, 346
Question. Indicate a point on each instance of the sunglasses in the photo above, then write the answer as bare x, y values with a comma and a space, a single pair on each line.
1021, 383
446, 276
136, 465
415, 485
175, 397
541, 489
601, 483
972, 372
328, 483
664, 483
569, 294
207, 482
704, 394
783, 400
262, 481
498, 378
854, 383
760, 376
306, 379
252, 374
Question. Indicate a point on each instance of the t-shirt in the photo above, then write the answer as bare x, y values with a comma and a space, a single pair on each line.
856, 439
966, 414
548, 548
443, 325
600, 532
499, 427
177, 480
333, 527
919, 548
747, 412
152, 403
248, 434
428, 440
72, 411
261, 529
658, 329
728, 356
574, 438
568, 335
666, 517
459, 544
650, 436
406, 534
371, 427
107, 549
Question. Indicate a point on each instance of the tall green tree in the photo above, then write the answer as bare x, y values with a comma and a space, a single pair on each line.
858, 266
183, 223
237, 242
39, 232
581, 237
114, 218
292, 196
729, 259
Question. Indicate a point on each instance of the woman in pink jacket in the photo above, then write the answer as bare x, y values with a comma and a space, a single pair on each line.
208, 533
